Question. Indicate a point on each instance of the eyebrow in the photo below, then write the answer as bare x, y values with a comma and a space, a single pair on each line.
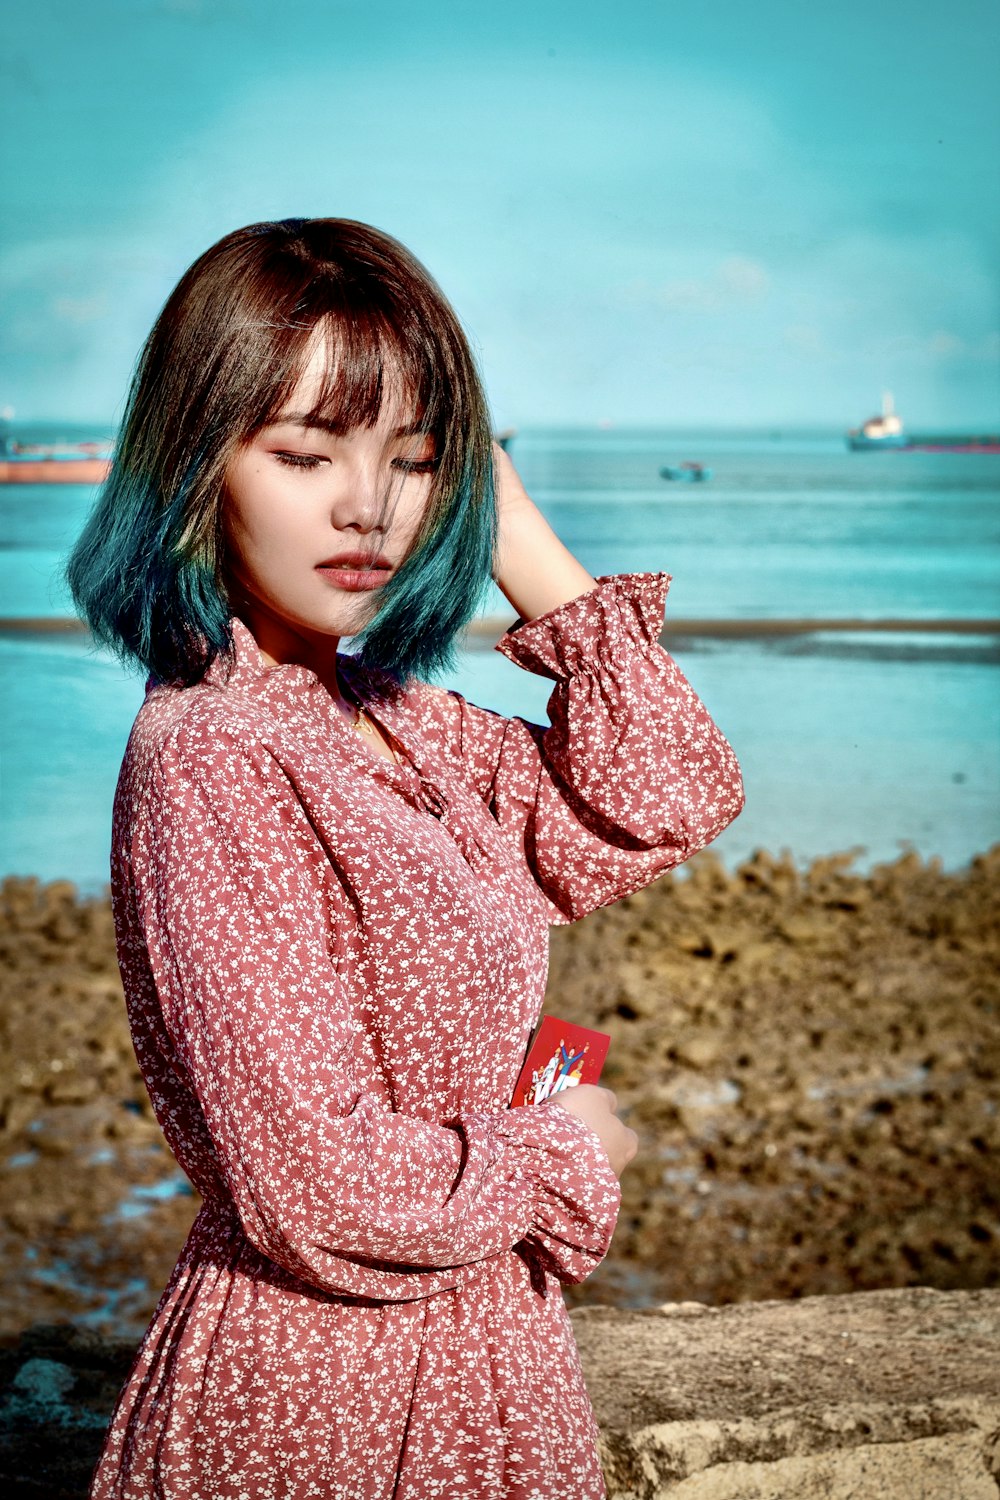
335, 428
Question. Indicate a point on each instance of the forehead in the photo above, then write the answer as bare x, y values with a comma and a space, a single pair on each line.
325, 379
317, 361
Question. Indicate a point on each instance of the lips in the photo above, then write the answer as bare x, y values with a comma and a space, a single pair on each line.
356, 572
362, 560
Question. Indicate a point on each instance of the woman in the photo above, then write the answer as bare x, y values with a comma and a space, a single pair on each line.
333, 885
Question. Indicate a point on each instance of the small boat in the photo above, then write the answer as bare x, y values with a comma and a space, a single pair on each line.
687, 472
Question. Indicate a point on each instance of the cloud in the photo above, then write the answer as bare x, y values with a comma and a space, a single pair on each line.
733, 283
81, 309
81, 305
945, 344
941, 348
805, 339
624, 241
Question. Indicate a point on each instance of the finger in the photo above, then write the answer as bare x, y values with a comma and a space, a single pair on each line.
612, 1099
628, 1148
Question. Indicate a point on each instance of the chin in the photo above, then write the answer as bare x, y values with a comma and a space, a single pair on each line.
347, 619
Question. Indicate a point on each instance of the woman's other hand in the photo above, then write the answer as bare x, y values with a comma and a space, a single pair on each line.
533, 568
597, 1108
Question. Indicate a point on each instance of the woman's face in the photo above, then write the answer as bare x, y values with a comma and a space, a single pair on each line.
317, 520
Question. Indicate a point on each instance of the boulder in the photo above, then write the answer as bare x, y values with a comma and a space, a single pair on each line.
889, 1395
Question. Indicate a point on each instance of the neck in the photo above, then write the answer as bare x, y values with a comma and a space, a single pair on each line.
282, 645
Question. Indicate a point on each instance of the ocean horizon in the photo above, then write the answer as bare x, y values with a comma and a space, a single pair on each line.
839, 613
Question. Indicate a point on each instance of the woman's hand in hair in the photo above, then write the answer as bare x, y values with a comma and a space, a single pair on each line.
534, 569
512, 497
597, 1107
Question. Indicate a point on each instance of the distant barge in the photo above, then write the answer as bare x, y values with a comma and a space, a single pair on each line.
68, 469
50, 463
885, 432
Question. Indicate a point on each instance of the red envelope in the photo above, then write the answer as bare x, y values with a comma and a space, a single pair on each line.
561, 1056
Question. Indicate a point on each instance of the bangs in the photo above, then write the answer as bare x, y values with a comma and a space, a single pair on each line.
373, 354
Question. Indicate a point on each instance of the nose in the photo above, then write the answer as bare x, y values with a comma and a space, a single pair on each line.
359, 497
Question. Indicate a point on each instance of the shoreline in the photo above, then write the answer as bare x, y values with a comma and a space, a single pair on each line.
494, 626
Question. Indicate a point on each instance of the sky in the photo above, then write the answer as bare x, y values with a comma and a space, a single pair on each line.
664, 213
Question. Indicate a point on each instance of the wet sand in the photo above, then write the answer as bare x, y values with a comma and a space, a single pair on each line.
483, 632
812, 1060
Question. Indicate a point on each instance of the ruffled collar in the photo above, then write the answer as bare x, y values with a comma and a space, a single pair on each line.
248, 671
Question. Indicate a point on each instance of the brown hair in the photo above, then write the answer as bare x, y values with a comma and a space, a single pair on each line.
220, 363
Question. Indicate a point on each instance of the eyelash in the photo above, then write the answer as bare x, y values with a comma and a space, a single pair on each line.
406, 466
297, 460
416, 465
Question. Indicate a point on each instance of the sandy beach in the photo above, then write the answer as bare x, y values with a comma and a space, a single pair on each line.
810, 1058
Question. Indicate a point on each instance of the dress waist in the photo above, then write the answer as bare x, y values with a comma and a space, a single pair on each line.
217, 1238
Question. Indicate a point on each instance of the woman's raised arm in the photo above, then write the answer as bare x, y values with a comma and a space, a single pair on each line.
535, 570
632, 776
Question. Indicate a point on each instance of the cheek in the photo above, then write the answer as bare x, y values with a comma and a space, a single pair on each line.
253, 532
411, 513
255, 518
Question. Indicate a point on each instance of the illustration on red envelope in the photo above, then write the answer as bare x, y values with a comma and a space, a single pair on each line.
561, 1056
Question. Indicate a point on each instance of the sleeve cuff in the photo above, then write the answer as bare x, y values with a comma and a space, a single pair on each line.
624, 607
577, 1194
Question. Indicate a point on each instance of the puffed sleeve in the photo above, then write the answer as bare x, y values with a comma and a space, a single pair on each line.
631, 776
237, 911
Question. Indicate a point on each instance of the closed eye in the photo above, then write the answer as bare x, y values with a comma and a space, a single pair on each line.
416, 465
299, 460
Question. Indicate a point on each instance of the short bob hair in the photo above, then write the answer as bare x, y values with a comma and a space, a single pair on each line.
221, 361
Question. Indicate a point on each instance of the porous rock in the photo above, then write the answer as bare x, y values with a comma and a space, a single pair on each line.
811, 1059
891, 1395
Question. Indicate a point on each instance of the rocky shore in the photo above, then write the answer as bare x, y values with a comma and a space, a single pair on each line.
812, 1060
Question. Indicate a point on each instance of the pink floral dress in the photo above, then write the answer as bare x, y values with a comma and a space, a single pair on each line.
332, 966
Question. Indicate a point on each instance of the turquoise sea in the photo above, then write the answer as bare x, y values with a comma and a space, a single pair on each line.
866, 739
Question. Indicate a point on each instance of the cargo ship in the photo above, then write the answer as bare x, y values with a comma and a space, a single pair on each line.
60, 468
886, 432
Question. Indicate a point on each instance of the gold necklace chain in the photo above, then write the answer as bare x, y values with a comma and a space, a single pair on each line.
364, 724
